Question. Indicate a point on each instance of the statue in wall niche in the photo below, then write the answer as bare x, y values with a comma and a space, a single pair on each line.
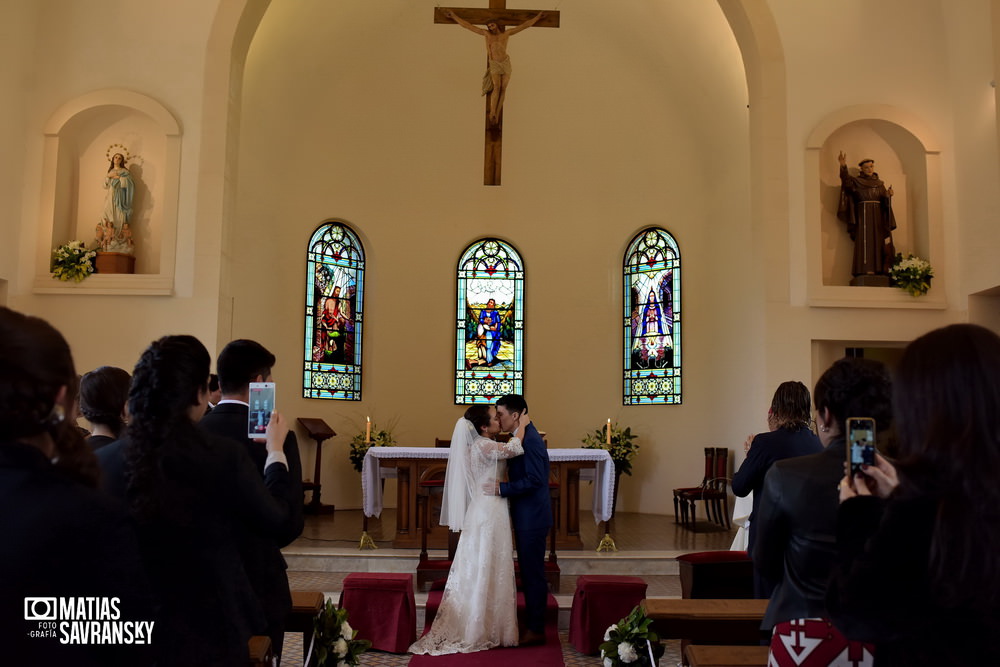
120, 191
866, 207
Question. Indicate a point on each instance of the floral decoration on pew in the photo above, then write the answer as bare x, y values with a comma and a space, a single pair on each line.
630, 641
334, 640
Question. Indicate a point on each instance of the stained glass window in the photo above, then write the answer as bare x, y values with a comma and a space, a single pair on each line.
489, 356
335, 288
652, 322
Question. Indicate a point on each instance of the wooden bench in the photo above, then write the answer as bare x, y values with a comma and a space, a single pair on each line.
306, 605
707, 620
259, 647
726, 656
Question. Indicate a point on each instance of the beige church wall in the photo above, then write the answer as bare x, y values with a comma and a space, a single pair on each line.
615, 121
71, 50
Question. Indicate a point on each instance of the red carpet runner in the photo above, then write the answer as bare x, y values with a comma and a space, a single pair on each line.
543, 656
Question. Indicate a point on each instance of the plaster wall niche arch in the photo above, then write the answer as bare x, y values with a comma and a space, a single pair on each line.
77, 138
907, 157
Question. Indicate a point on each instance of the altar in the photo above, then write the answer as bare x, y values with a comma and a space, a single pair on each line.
411, 464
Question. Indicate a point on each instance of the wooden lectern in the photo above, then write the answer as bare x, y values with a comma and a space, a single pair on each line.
319, 431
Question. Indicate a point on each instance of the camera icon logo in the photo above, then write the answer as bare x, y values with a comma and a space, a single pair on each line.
40, 609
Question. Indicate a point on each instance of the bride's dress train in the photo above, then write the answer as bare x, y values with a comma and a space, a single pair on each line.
479, 607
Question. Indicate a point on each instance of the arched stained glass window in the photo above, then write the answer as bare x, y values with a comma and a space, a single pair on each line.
652, 321
490, 323
335, 289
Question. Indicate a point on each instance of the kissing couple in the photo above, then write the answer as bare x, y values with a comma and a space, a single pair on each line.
479, 606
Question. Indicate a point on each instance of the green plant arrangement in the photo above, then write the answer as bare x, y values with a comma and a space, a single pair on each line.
72, 261
369, 437
622, 447
334, 642
628, 641
912, 274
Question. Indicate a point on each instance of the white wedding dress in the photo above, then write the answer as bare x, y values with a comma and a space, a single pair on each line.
479, 607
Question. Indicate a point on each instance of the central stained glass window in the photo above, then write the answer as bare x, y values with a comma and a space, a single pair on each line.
489, 351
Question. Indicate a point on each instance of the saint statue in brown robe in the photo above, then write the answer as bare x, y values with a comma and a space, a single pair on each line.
866, 208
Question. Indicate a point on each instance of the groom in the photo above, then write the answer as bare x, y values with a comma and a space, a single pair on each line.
528, 491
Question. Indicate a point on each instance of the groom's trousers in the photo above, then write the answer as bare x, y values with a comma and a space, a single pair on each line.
531, 561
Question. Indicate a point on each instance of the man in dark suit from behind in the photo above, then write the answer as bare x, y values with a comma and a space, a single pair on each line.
240, 363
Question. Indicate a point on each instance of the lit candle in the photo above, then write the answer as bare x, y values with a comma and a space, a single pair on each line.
609, 430
368, 429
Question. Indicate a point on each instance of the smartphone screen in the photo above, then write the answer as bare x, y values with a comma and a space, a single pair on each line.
261, 405
860, 442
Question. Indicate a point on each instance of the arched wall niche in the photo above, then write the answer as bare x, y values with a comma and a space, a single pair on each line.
77, 141
907, 158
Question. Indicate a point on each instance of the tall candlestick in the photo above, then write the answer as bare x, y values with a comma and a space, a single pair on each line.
368, 429
609, 430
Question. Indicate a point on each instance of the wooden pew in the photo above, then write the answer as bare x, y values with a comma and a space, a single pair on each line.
260, 651
726, 656
305, 606
707, 621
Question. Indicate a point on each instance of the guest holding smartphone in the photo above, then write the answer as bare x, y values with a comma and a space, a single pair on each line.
918, 571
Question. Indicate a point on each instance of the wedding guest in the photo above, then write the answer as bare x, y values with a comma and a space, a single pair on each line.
192, 494
64, 539
240, 363
789, 435
917, 571
795, 541
103, 394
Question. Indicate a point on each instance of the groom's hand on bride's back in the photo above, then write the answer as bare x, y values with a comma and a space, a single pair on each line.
491, 489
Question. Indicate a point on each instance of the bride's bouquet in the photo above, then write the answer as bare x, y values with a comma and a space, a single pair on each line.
631, 642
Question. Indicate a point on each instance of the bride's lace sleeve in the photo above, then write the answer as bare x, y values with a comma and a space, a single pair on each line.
500, 450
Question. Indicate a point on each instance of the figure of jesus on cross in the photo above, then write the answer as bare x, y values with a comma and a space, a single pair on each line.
498, 69
500, 24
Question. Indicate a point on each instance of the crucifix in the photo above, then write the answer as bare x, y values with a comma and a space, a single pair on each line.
496, 18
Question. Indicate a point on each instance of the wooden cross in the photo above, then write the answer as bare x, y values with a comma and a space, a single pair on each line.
498, 14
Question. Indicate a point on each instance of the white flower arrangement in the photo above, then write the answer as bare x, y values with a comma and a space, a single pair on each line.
912, 274
333, 642
72, 261
627, 642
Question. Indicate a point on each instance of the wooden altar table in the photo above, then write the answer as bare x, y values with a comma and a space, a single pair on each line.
410, 463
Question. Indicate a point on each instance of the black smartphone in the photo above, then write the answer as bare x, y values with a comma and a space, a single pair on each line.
860, 443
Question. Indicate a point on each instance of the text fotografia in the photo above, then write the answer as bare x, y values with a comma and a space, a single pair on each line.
84, 621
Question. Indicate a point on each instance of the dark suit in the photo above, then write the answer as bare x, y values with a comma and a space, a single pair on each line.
262, 555
62, 539
210, 494
796, 532
531, 514
765, 449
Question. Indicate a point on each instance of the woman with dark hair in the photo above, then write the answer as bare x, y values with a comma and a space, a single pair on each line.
479, 606
191, 494
918, 570
795, 544
63, 539
789, 435
103, 394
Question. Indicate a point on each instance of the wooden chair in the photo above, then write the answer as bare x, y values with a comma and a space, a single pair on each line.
306, 606
430, 486
714, 491
683, 507
438, 442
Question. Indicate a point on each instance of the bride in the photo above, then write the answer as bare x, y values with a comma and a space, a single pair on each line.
479, 607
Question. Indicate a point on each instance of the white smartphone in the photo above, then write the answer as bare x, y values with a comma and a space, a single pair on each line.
261, 405
860, 443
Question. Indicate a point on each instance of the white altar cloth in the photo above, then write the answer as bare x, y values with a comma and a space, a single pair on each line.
372, 490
